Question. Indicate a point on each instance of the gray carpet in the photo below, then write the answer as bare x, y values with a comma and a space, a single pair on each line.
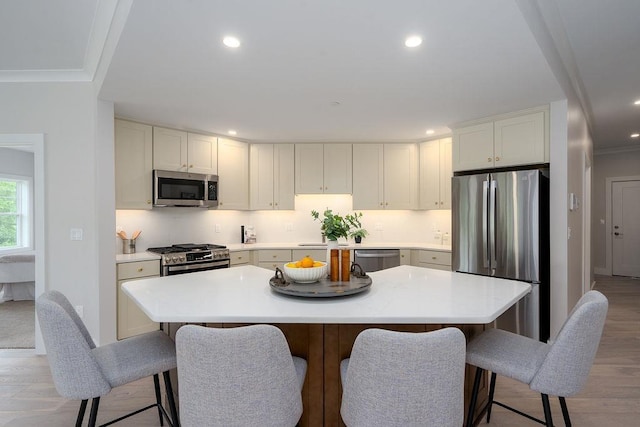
17, 324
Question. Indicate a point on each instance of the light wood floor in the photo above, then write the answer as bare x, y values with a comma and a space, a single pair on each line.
610, 398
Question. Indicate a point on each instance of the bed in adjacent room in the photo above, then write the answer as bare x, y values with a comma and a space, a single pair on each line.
17, 277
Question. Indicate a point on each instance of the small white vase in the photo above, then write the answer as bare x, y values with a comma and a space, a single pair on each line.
331, 244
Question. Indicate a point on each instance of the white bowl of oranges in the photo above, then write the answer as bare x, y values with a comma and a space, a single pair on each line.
305, 270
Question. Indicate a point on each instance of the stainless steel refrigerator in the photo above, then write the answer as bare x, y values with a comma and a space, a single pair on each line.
500, 228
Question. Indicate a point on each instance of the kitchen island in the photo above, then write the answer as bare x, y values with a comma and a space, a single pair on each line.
322, 330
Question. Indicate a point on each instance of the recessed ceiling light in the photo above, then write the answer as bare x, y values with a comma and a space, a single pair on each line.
635, 135
232, 132
430, 132
413, 41
231, 41
637, 102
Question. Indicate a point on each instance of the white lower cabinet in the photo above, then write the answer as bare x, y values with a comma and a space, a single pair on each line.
405, 256
316, 254
431, 259
241, 258
272, 258
131, 320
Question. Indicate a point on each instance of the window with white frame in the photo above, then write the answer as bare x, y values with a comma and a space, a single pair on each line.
15, 212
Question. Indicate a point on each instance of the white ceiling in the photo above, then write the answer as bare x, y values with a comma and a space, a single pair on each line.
299, 57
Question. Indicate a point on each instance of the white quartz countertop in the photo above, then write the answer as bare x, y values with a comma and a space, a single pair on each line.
399, 295
138, 256
317, 245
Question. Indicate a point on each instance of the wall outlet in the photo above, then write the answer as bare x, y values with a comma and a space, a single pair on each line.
218, 228
80, 310
76, 234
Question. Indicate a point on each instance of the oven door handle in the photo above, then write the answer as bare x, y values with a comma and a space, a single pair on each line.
198, 266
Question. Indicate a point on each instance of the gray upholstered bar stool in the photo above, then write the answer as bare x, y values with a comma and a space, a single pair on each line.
404, 379
558, 369
242, 376
83, 371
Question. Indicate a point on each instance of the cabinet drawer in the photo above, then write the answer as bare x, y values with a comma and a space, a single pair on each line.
434, 257
272, 265
132, 270
274, 255
241, 257
316, 254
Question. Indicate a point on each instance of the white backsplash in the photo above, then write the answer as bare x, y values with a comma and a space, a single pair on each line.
165, 226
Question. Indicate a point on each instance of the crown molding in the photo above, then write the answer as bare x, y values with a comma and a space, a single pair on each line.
615, 150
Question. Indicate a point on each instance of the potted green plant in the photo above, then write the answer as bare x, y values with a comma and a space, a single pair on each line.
359, 234
354, 221
333, 226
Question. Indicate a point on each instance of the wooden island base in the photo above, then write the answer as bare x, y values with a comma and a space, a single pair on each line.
325, 345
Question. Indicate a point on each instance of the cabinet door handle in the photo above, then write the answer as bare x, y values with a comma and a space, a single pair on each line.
148, 202
326, 188
489, 159
434, 257
386, 204
140, 269
497, 159
184, 165
190, 166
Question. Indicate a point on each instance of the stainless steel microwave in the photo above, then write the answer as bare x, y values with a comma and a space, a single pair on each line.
184, 189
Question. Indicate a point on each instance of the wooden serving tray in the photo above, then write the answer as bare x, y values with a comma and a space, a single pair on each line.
323, 288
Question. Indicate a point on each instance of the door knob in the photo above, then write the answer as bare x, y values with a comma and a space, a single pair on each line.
617, 234
616, 227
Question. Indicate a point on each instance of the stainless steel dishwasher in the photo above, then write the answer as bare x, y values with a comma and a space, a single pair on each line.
377, 259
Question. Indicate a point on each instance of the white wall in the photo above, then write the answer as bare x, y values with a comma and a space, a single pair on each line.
163, 226
571, 151
66, 114
607, 165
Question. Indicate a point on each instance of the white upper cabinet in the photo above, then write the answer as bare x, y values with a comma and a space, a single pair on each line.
271, 176
133, 165
511, 141
473, 147
323, 169
202, 154
435, 174
233, 171
400, 176
176, 150
520, 140
337, 168
385, 176
368, 176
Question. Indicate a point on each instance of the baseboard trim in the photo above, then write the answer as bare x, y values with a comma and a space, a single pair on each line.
602, 271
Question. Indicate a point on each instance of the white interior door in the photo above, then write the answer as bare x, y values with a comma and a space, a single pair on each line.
625, 234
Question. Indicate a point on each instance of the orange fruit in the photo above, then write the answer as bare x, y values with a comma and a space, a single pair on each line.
306, 262
298, 264
317, 264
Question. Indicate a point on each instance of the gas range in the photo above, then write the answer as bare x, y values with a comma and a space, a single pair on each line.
190, 257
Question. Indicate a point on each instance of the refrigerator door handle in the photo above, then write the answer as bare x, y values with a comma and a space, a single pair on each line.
485, 243
492, 226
